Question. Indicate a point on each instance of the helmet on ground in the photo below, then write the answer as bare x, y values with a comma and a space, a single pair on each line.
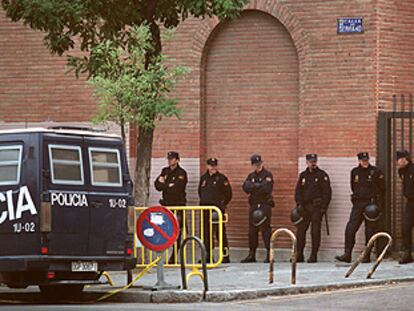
258, 217
372, 212
295, 216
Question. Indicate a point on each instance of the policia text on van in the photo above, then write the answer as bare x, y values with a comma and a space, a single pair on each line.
65, 197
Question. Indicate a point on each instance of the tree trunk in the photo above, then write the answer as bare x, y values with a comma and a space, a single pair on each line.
146, 135
143, 167
123, 134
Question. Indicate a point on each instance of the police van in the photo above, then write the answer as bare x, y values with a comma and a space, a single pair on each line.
66, 208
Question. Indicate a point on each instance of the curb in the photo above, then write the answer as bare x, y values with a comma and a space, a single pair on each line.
135, 295
189, 296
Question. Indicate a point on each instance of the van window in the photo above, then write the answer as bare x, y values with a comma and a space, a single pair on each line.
10, 164
66, 164
105, 167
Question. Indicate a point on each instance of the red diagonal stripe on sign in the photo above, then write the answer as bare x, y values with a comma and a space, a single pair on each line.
158, 229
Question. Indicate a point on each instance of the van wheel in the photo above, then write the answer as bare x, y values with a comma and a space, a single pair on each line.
61, 291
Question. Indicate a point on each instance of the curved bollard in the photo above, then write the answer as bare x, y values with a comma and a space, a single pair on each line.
294, 251
368, 249
195, 271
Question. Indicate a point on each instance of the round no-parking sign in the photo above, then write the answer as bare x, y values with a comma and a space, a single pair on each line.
157, 228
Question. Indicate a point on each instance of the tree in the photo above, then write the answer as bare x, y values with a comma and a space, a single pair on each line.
129, 92
89, 23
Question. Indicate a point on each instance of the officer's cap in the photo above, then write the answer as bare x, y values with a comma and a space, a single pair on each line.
256, 159
312, 157
212, 161
173, 155
363, 156
402, 154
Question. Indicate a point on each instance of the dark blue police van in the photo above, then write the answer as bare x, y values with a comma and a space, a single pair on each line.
66, 208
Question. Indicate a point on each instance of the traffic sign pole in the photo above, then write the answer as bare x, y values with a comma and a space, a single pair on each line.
157, 229
161, 284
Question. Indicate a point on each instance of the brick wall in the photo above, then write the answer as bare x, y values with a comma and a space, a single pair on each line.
34, 86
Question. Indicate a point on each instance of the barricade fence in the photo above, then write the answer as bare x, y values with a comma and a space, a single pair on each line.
204, 222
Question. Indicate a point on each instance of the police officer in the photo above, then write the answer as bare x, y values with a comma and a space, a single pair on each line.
312, 196
406, 173
172, 183
259, 186
368, 186
214, 189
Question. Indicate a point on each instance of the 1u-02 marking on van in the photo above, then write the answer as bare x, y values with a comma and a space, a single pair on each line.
114, 203
25, 227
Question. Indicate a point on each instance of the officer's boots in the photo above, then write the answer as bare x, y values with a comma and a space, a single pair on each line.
313, 257
251, 257
406, 258
300, 257
346, 257
226, 259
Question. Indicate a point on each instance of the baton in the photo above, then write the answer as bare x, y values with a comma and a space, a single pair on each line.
327, 223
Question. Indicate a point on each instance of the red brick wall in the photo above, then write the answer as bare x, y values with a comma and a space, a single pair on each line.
337, 73
395, 50
33, 84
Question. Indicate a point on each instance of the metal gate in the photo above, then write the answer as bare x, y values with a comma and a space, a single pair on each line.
395, 132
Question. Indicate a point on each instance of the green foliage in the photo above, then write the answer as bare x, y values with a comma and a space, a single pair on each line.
94, 21
129, 91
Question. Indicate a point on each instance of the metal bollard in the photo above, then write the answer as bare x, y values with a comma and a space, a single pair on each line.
195, 271
368, 249
294, 251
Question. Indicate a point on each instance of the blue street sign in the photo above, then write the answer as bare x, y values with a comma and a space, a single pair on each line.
350, 25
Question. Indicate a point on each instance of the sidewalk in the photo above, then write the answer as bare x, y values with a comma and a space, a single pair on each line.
250, 281
236, 282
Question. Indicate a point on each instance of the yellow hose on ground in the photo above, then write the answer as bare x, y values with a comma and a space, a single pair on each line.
139, 275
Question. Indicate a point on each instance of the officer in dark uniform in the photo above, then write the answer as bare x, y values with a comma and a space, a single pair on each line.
312, 195
259, 186
214, 189
406, 172
172, 183
368, 186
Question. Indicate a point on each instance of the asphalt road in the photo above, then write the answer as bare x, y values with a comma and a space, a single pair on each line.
390, 297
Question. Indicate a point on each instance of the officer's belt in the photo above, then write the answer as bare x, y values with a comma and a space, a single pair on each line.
364, 199
311, 200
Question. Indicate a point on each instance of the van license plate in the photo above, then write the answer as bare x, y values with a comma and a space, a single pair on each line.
84, 266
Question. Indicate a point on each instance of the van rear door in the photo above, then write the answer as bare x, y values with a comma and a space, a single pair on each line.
65, 187
110, 191
19, 200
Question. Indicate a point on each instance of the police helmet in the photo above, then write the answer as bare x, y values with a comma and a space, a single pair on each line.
258, 217
372, 212
295, 216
